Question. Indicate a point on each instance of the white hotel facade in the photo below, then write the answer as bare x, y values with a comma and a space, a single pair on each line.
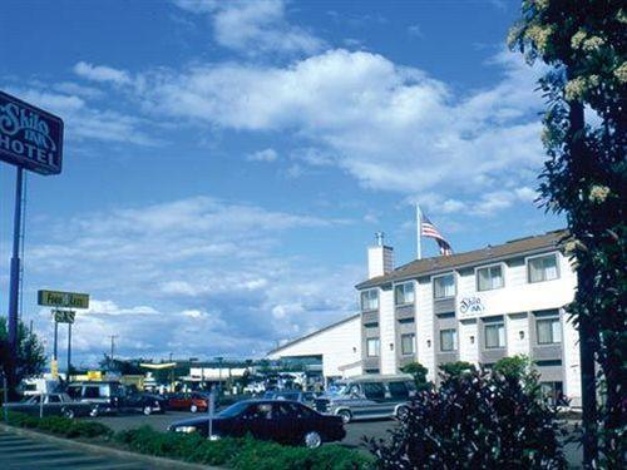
478, 307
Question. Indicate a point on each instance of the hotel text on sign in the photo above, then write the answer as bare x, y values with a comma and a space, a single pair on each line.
30, 137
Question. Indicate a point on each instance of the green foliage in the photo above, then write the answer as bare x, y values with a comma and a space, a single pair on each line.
31, 359
242, 454
520, 368
419, 372
474, 420
60, 426
585, 177
456, 369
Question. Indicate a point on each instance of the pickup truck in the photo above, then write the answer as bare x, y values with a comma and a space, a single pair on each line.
50, 404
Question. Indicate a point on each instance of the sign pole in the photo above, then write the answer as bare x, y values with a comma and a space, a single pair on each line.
15, 282
69, 351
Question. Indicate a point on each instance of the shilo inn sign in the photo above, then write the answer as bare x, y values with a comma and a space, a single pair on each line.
30, 137
470, 307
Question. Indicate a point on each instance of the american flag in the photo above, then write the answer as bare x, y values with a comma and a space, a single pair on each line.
427, 229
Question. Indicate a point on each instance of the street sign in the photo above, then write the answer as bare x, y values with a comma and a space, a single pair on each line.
30, 137
64, 316
50, 298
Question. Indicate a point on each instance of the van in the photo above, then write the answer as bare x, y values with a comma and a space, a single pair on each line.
105, 396
369, 396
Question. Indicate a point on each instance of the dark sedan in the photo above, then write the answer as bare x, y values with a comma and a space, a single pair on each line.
143, 402
283, 421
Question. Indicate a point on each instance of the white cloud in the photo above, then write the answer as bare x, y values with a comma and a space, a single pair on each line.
267, 155
102, 73
201, 272
254, 27
84, 122
392, 128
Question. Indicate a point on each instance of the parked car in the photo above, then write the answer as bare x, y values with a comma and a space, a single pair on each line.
111, 397
194, 401
307, 398
369, 396
105, 396
145, 403
50, 404
283, 421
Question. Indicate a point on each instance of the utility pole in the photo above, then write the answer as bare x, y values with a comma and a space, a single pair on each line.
112, 350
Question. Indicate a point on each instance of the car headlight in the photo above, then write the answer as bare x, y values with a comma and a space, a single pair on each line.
185, 429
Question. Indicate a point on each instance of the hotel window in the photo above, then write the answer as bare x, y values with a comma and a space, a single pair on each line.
490, 278
448, 340
542, 268
370, 300
444, 286
372, 347
404, 294
494, 335
408, 344
549, 330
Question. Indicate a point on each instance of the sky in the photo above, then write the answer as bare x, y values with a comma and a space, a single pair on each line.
227, 163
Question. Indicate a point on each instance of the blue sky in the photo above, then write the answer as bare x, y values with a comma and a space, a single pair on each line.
227, 163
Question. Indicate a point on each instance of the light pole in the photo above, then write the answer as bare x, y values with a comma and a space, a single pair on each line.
112, 350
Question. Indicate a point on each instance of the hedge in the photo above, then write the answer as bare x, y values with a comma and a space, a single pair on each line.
239, 454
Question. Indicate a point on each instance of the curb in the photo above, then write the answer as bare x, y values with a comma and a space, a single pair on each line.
154, 462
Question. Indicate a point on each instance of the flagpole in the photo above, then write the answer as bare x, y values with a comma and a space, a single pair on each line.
418, 232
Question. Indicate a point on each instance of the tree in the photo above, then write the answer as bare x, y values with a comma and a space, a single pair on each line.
474, 420
456, 369
30, 360
419, 372
585, 178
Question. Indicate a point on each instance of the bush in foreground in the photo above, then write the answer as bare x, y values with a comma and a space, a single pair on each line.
241, 454
60, 426
475, 420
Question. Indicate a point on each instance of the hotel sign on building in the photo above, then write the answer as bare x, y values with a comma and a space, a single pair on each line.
30, 137
470, 307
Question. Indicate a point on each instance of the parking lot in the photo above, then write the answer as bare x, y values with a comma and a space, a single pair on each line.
160, 422
355, 431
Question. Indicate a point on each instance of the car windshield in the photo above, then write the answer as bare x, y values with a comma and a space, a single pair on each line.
234, 410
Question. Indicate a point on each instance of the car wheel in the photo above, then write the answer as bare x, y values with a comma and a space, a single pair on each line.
345, 415
401, 413
193, 408
147, 410
312, 440
68, 413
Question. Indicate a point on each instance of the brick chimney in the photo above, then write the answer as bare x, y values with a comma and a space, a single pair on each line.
380, 257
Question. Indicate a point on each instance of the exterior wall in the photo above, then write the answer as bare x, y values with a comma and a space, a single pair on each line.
425, 344
388, 333
517, 305
339, 346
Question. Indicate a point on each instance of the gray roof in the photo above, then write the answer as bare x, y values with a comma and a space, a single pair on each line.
490, 254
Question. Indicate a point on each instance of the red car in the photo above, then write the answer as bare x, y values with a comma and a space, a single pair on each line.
193, 402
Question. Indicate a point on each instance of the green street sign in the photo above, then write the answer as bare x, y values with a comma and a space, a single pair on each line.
64, 316
50, 298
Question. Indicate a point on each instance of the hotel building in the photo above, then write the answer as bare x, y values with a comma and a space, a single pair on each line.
477, 307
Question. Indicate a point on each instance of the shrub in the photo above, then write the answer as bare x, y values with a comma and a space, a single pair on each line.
60, 426
241, 454
474, 420
455, 369
419, 373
